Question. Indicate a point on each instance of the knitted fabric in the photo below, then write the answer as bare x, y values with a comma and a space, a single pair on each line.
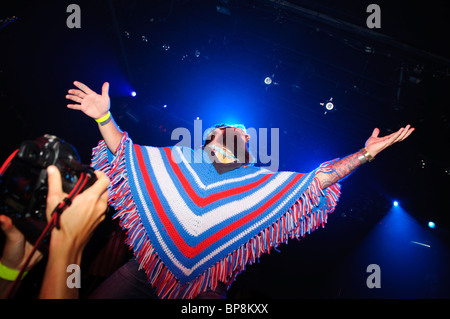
190, 227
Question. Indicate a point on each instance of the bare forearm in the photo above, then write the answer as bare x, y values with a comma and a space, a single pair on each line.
54, 284
112, 134
340, 169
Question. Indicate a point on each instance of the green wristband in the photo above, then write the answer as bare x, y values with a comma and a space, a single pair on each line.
9, 273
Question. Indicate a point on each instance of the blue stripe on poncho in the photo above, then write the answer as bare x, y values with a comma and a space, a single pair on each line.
191, 227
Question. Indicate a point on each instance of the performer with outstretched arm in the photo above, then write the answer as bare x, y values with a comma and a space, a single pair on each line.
195, 221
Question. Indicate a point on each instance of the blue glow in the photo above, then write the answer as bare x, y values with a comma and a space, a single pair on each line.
431, 224
395, 203
396, 240
133, 93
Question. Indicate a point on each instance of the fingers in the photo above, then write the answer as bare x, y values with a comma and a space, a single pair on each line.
5, 223
55, 193
402, 133
101, 184
74, 98
105, 89
393, 137
408, 133
83, 87
78, 93
375, 132
11, 232
74, 106
99, 190
405, 132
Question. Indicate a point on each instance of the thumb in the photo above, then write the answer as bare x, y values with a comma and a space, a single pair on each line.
105, 89
55, 193
11, 232
375, 132
5, 223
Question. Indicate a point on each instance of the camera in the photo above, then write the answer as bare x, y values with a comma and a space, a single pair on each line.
23, 185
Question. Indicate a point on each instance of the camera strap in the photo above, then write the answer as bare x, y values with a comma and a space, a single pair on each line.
6, 163
66, 202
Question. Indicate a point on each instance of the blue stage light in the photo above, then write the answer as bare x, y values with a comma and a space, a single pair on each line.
395, 203
268, 80
431, 224
133, 93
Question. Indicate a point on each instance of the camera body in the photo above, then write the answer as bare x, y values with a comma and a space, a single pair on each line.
23, 186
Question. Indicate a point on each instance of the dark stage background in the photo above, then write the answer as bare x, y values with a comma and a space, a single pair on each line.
209, 59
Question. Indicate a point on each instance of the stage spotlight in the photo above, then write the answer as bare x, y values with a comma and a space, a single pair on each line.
133, 93
431, 224
328, 105
165, 106
268, 80
395, 203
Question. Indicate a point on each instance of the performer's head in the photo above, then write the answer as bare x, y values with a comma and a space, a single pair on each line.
233, 137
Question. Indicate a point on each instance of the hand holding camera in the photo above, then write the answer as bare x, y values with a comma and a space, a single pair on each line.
38, 182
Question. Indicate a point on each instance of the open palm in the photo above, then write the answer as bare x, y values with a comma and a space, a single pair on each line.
90, 103
376, 144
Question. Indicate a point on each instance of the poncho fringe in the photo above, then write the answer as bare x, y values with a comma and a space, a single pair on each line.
295, 223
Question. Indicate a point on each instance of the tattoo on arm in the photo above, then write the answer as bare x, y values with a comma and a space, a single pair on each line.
340, 169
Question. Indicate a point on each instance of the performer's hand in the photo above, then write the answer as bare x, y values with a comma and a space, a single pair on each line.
375, 144
92, 104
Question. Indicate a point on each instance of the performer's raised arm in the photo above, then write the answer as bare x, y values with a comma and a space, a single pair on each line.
97, 107
374, 145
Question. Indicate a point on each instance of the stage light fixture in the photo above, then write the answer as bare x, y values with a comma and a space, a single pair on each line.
133, 93
396, 203
328, 105
268, 80
431, 224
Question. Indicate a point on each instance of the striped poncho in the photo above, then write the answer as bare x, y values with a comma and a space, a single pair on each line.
191, 227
